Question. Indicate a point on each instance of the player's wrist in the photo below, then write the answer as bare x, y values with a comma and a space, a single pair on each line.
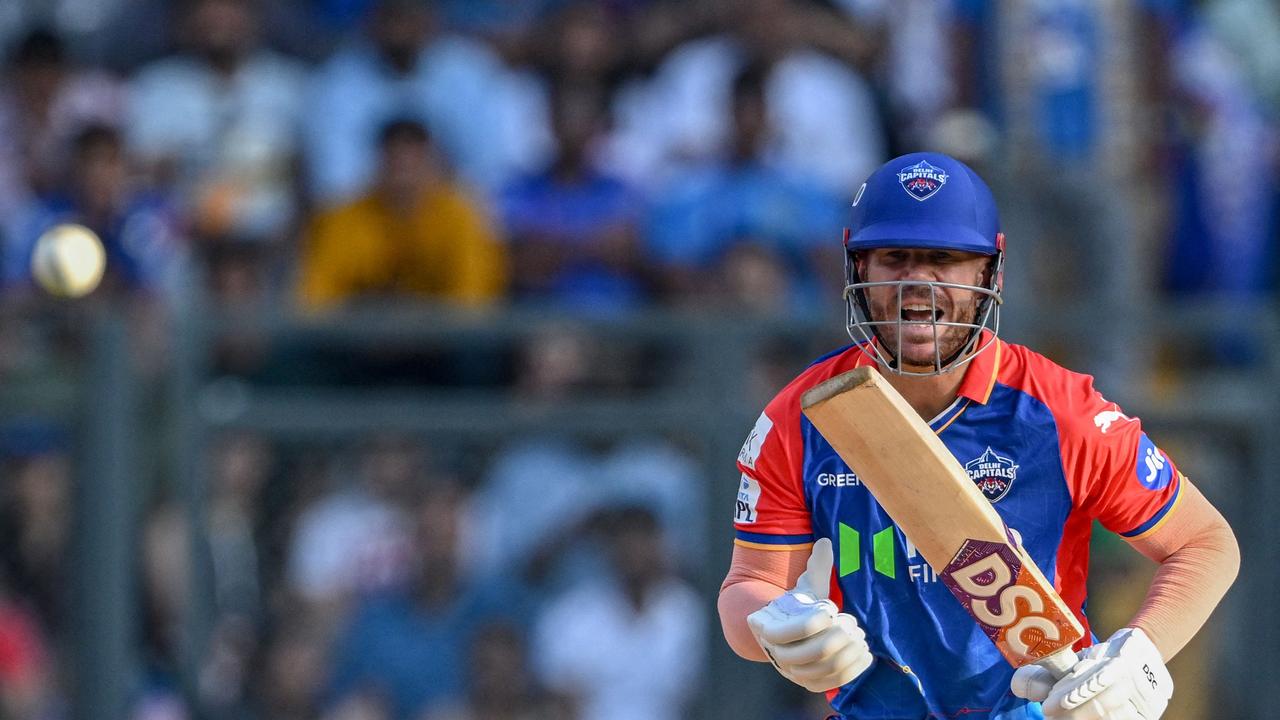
1145, 637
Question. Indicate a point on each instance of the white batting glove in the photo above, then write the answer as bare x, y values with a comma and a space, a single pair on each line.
1123, 678
806, 636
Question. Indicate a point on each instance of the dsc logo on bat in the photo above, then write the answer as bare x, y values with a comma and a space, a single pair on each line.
990, 580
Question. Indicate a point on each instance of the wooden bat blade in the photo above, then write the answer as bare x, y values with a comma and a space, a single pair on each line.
922, 487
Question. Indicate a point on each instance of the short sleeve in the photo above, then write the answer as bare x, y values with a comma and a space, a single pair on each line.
1116, 473
771, 512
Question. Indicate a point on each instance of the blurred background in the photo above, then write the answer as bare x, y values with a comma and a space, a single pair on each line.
431, 328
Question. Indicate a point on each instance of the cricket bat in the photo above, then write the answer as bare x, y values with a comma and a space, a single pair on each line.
929, 496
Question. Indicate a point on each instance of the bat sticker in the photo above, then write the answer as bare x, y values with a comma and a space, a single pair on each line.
989, 579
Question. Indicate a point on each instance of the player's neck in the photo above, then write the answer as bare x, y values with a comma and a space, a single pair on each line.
928, 395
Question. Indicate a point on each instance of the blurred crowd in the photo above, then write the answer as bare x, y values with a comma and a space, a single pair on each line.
594, 157
372, 583
618, 154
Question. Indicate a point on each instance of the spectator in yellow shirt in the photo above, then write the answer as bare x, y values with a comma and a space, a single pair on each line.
414, 234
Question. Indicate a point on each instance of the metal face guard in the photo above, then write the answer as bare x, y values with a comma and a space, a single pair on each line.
862, 329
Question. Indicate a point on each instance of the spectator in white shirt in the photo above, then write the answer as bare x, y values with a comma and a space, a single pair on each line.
220, 120
625, 646
456, 86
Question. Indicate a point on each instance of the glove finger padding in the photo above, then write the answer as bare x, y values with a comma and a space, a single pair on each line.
843, 666
791, 617
1087, 679
1113, 703
844, 631
1032, 682
1121, 699
1118, 703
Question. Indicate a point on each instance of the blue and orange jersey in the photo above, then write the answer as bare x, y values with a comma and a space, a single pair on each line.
1047, 449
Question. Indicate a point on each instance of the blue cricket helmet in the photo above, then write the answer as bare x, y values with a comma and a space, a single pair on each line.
926, 200
933, 201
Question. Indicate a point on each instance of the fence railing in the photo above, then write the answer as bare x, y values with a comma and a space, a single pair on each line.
1224, 417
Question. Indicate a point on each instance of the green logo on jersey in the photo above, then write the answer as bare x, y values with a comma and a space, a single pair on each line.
883, 556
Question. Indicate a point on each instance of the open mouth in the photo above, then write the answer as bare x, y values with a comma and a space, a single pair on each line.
920, 313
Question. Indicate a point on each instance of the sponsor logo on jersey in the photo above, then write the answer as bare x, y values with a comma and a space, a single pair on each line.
838, 480
993, 474
1152, 466
751, 448
1106, 418
748, 497
880, 555
922, 180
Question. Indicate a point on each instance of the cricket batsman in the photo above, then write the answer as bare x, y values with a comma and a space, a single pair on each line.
827, 589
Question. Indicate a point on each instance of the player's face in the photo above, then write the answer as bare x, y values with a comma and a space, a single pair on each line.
919, 308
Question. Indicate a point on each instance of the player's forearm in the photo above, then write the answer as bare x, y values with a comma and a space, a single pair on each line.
737, 601
755, 578
1199, 559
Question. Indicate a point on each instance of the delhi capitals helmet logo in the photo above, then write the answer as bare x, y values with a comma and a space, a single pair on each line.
993, 474
922, 180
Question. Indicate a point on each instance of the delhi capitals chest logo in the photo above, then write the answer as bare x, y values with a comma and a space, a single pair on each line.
922, 180
992, 474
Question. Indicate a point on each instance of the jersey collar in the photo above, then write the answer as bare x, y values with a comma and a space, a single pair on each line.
980, 375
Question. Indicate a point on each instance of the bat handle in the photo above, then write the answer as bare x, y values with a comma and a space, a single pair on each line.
1059, 663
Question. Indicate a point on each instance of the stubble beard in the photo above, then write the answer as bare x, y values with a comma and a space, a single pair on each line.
951, 339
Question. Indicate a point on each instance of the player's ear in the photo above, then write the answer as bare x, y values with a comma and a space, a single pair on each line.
989, 269
984, 275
